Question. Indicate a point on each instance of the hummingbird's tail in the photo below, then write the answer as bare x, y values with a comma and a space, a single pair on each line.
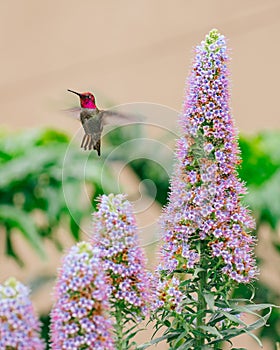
97, 147
89, 144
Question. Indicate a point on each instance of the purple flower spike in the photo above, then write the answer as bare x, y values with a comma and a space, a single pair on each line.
205, 198
78, 318
19, 326
115, 235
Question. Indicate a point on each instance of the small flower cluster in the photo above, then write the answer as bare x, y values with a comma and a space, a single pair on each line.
115, 235
205, 199
169, 295
78, 318
19, 326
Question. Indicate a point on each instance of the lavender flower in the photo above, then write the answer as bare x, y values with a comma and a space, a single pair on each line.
19, 326
205, 199
115, 234
78, 318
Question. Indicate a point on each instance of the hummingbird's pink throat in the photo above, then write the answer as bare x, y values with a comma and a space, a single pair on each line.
87, 103
87, 100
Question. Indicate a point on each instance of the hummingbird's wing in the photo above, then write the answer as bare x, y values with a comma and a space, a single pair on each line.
73, 112
111, 117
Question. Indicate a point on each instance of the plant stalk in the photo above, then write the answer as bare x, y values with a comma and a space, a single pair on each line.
201, 303
120, 342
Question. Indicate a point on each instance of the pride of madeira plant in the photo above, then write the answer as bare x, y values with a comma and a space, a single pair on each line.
207, 247
104, 278
19, 324
79, 315
115, 235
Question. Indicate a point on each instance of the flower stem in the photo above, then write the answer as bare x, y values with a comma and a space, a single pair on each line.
201, 303
120, 342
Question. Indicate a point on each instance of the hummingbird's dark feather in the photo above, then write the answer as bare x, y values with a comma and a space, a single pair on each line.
89, 144
97, 147
86, 142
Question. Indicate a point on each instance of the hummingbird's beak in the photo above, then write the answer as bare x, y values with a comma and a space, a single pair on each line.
74, 92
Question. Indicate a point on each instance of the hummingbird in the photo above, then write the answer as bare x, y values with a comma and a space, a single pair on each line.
93, 120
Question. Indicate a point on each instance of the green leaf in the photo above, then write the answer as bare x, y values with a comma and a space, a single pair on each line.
10, 250
258, 165
167, 323
252, 307
187, 345
53, 204
130, 329
154, 341
132, 334
75, 228
260, 322
265, 200
232, 318
197, 271
276, 246
212, 330
179, 338
210, 299
233, 332
47, 136
185, 283
261, 171
33, 162
19, 219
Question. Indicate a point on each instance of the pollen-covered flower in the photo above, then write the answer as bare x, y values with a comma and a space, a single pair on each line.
115, 235
205, 198
19, 326
78, 318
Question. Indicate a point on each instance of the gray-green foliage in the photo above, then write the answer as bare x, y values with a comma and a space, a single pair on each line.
260, 169
32, 191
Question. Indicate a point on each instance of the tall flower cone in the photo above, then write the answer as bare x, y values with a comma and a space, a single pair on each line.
79, 316
205, 217
115, 235
19, 326
207, 247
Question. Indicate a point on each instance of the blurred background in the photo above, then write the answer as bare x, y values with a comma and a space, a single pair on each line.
137, 54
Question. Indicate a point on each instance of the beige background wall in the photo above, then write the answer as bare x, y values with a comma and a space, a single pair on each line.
131, 51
